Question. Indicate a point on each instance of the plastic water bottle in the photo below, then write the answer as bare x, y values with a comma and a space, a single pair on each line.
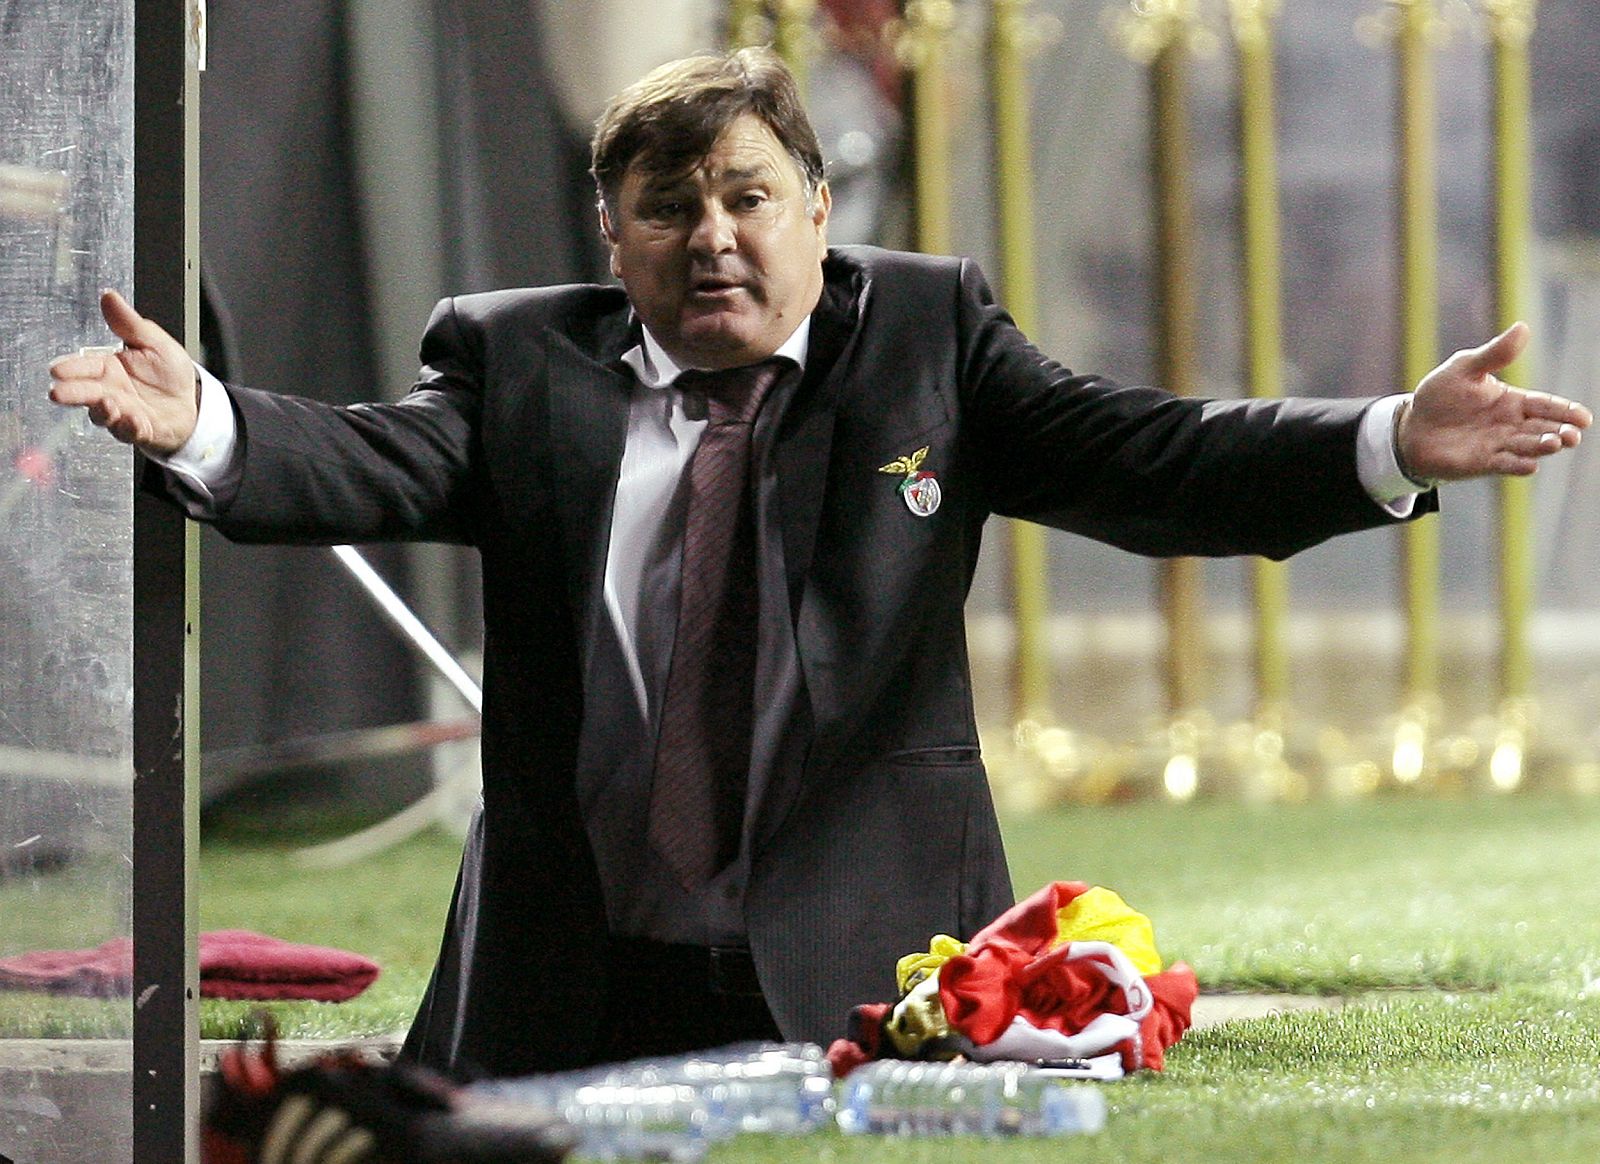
609, 1121
673, 1109
894, 1097
776, 1088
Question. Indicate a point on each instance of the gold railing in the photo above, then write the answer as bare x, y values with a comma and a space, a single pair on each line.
1277, 751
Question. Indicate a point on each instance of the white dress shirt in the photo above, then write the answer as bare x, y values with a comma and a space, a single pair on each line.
662, 436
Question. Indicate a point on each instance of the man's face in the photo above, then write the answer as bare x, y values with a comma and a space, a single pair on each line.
724, 261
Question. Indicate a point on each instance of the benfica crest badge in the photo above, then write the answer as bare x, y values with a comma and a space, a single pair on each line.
919, 488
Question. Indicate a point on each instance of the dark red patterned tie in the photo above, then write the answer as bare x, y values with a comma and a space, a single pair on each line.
703, 750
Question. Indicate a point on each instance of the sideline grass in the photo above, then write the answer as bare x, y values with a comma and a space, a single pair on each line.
390, 908
1331, 898
1495, 899
1417, 1078
1337, 898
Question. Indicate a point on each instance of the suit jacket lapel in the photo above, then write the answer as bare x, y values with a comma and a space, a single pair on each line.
801, 458
806, 434
589, 398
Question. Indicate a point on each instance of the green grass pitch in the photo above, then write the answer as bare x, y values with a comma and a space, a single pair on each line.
1462, 935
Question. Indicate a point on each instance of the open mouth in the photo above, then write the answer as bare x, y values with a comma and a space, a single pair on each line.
714, 286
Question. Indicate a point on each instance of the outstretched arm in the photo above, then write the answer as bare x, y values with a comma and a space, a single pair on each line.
1463, 421
145, 395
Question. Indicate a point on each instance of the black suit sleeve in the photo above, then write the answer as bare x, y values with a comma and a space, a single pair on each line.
316, 473
1146, 470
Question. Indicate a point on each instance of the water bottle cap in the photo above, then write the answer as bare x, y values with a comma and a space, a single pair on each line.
1078, 1108
854, 1100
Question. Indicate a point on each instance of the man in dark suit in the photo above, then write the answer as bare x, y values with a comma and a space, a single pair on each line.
731, 770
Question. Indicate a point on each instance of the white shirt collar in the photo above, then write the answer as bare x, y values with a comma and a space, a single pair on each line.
656, 369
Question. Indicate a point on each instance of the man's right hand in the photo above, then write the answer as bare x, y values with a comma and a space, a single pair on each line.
145, 395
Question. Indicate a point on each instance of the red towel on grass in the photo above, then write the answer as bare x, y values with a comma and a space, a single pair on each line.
103, 972
240, 964
233, 964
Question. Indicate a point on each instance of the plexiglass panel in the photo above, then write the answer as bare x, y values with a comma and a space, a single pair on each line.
66, 230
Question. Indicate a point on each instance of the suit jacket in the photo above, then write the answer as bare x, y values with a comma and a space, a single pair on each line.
882, 831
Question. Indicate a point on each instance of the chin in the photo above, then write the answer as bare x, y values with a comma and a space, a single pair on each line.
721, 348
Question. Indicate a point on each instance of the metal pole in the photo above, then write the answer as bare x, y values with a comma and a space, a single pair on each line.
408, 624
1181, 581
431, 808
1511, 26
794, 39
166, 697
1511, 23
927, 46
1030, 592
748, 23
1419, 326
1417, 195
1263, 293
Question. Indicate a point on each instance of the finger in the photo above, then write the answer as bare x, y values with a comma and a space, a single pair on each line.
81, 390
79, 367
1498, 353
76, 393
1509, 464
1550, 438
1535, 442
1544, 406
1569, 412
127, 324
1565, 437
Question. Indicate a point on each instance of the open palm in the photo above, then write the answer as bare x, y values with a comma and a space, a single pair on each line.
144, 394
1464, 421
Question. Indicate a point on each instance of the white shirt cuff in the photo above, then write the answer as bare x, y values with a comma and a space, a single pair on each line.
1375, 460
203, 462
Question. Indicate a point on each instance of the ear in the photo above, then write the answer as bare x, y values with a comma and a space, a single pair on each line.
609, 233
819, 215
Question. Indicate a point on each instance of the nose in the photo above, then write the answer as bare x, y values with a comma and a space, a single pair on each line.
713, 232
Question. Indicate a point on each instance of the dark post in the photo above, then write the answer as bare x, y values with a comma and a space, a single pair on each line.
165, 693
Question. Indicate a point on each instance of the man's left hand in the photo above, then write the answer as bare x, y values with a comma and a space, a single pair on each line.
1463, 421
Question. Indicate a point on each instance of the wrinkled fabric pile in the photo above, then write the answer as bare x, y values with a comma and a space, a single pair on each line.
1071, 973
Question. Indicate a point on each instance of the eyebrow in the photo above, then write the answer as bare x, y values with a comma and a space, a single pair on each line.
761, 171
747, 173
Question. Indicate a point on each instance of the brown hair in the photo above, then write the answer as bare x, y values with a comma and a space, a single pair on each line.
669, 119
